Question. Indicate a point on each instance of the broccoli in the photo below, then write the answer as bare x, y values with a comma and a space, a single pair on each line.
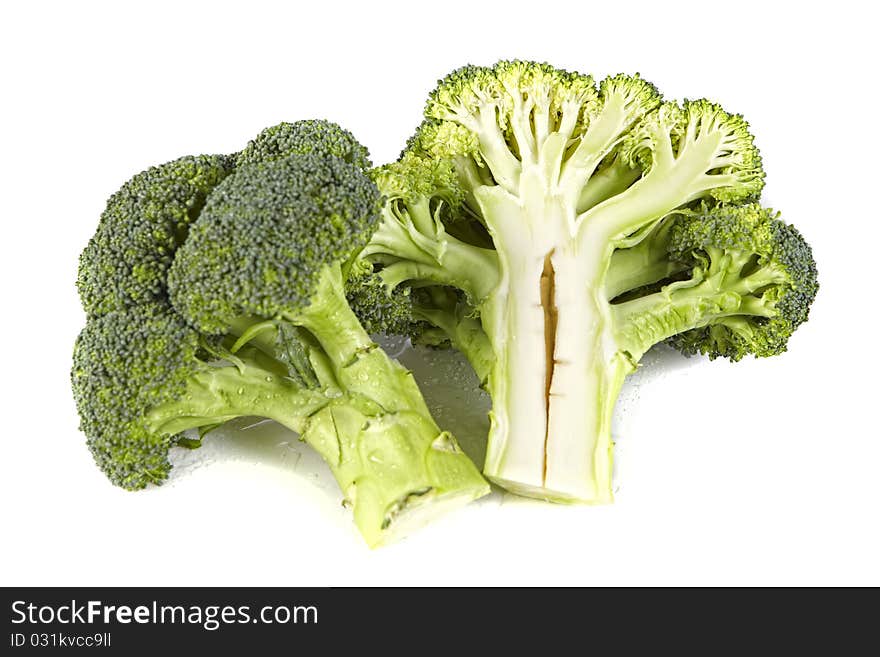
271, 250
142, 377
196, 287
582, 225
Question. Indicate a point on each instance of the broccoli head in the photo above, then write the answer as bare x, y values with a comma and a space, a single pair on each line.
215, 287
266, 237
765, 265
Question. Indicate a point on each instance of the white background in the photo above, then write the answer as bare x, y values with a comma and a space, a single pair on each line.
763, 472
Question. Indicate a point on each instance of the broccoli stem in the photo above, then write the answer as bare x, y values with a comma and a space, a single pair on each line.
472, 269
548, 343
387, 453
686, 305
671, 181
643, 264
218, 394
397, 469
607, 182
394, 465
556, 370
626, 277
331, 321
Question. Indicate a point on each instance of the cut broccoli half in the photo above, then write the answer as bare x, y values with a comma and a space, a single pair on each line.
598, 200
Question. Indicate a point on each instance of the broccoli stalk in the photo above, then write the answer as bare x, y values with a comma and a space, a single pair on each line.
272, 248
392, 461
574, 186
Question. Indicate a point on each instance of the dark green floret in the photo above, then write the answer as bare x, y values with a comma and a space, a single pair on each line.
126, 262
765, 261
380, 311
320, 137
141, 377
124, 364
266, 235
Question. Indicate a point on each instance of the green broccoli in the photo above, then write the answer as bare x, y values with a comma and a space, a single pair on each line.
608, 213
142, 377
144, 373
271, 249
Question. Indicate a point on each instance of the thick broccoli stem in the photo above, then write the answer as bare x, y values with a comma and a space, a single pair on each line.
584, 369
387, 453
396, 469
556, 362
565, 339
549, 322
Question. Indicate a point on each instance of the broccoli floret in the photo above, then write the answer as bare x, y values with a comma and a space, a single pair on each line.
381, 310
276, 242
266, 237
751, 280
304, 137
126, 262
585, 192
412, 243
142, 376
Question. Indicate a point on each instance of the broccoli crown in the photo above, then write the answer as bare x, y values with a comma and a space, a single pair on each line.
265, 235
496, 122
127, 260
126, 363
761, 249
443, 139
505, 86
304, 137
511, 90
